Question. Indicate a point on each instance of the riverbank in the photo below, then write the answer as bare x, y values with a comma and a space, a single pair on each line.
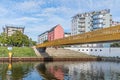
18, 52
48, 59
27, 54
51, 54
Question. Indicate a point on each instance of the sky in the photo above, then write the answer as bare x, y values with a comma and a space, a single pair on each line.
38, 16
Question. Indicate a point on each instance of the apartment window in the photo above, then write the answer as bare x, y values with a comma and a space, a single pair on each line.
91, 49
86, 49
82, 49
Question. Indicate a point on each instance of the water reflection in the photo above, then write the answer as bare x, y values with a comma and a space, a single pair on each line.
17, 71
9, 72
60, 71
80, 70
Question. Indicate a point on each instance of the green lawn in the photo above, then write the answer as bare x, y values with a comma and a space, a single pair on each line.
18, 52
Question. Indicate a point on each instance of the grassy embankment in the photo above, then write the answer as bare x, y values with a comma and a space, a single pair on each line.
18, 52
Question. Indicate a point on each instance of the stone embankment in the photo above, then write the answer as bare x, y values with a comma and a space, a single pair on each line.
61, 54
53, 54
65, 53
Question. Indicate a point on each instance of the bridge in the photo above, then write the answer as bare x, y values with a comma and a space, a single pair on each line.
109, 34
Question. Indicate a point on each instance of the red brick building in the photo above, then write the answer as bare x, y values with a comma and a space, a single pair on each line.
56, 32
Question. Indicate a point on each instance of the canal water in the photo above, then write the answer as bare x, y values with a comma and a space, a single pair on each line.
60, 71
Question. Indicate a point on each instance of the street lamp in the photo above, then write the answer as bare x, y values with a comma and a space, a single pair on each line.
10, 53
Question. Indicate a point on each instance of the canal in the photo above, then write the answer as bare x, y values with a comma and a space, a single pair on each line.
90, 70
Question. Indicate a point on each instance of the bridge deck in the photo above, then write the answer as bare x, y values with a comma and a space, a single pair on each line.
102, 35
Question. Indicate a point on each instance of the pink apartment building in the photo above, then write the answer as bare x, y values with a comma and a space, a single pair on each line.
56, 32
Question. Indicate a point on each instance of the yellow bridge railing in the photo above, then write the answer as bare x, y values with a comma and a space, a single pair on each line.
102, 35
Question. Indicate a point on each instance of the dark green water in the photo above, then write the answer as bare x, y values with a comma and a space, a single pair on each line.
60, 71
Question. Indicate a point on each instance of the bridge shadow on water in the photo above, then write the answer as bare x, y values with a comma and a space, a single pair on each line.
46, 57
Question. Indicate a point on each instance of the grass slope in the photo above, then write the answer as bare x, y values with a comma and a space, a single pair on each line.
18, 52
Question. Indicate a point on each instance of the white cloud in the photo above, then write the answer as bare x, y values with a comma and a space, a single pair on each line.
60, 10
57, 15
40, 15
27, 19
19, 21
29, 5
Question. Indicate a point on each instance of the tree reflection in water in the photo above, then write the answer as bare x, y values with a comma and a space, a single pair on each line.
15, 71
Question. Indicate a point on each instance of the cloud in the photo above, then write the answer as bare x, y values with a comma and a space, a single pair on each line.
20, 21
40, 15
31, 5
27, 19
56, 15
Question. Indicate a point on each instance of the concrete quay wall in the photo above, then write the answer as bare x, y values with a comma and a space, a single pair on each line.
27, 59
104, 52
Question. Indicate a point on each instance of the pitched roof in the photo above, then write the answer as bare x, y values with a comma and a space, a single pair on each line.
53, 28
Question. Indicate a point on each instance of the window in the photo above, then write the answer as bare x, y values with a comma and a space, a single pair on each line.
100, 49
95, 49
91, 49
86, 49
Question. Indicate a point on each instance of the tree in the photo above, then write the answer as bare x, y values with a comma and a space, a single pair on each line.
115, 44
19, 39
16, 39
3, 38
34, 42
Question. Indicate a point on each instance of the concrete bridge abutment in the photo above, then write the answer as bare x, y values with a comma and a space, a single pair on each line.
42, 50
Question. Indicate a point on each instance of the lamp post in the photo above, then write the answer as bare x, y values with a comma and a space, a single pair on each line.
9, 71
10, 53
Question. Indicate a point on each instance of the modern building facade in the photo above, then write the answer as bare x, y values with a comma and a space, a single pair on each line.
56, 32
43, 37
9, 30
91, 21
